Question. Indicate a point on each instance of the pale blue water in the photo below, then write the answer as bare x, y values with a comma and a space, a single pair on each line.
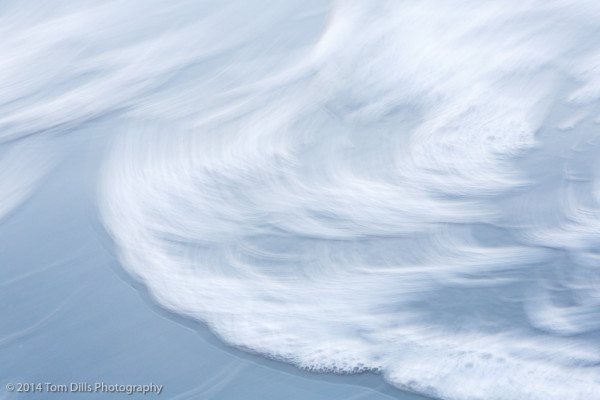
407, 190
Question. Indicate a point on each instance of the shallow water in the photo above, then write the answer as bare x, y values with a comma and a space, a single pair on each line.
408, 189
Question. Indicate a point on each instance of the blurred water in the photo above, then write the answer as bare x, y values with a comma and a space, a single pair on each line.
394, 187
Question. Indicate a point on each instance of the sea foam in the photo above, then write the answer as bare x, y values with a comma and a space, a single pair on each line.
410, 188
401, 200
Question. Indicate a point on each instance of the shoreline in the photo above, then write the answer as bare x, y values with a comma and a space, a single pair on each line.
76, 316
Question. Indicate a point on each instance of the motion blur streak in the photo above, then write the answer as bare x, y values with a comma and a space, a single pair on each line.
409, 187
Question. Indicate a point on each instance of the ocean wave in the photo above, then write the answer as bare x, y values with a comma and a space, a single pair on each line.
410, 188
417, 196
401, 200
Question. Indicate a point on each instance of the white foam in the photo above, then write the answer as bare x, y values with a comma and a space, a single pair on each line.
382, 189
